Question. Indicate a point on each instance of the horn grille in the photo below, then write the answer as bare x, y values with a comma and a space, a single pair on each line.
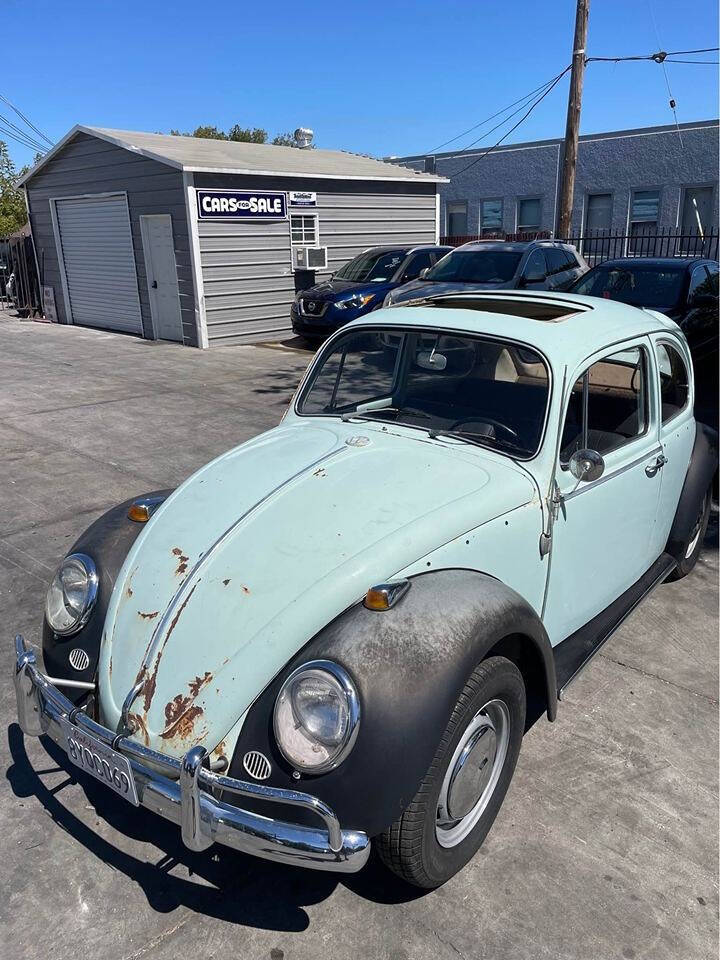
257, 765
79, 660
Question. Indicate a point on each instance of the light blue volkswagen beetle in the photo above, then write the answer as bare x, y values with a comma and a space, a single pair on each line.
339, 631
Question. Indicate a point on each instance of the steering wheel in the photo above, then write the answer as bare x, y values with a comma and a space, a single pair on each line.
489, 421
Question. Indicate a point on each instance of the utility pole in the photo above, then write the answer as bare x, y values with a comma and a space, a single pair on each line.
572, 127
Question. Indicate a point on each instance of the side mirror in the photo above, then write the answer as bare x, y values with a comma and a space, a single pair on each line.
423, 273
586, 465
534, 278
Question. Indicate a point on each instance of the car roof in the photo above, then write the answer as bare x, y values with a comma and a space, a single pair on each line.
512, 246
654, 261
575, 327
408, 247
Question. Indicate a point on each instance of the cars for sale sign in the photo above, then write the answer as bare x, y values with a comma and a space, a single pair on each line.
241, 205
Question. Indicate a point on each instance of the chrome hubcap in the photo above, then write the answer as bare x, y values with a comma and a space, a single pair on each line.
696, 532
473, 773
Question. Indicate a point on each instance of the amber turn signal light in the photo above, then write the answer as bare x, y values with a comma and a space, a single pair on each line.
139, 512
386, 595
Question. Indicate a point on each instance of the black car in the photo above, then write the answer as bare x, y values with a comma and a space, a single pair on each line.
359, 287
684, 289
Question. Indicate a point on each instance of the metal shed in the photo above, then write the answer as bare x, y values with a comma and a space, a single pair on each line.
199, 241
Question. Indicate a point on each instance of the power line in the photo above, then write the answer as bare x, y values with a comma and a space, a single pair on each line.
516, 125
14, 136
25, 119
31, 140
661, 61
714, 63
492, 117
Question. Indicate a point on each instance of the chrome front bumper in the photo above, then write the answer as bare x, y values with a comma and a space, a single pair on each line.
186, 792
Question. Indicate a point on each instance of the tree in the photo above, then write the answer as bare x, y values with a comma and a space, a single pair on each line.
13, 213
239, 135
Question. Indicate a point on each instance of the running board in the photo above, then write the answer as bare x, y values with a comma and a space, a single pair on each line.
577, 650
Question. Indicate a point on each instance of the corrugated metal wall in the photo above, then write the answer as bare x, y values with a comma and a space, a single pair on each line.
88, 165
247, 276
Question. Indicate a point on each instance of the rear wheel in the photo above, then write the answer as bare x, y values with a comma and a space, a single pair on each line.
694, 543
461, 794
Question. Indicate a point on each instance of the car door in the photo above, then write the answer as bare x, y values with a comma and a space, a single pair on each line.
534, 274
602, 537
414, 263
677, 428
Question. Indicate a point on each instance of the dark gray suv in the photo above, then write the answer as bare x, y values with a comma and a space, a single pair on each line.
495, 264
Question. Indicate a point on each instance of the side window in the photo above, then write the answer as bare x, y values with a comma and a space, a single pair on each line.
699, 282
556, 260
535, 265
674, 381
608, 405
414, 264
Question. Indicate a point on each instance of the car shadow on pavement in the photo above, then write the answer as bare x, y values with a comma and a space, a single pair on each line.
234, 887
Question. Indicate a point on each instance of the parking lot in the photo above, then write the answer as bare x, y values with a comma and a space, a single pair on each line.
606, 846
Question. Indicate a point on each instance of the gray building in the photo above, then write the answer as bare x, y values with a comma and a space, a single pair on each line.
201, 241
627, 182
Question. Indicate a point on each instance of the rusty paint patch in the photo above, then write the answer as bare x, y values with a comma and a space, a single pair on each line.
226, 582
198, 683
110, 667
183, 726
177, 551
175, 709
140, 727
129, 591
150, 683
245, 589
148, 616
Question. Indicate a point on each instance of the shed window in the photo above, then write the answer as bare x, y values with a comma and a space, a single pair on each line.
304, 229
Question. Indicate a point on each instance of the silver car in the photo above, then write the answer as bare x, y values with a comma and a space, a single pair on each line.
496, 264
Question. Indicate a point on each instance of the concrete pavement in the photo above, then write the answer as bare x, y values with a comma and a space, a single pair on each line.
606, 846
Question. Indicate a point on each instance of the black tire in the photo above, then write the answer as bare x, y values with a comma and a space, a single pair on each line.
688, 561
409, 847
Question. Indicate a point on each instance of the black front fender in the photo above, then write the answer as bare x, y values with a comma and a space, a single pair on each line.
107, 541
410, 664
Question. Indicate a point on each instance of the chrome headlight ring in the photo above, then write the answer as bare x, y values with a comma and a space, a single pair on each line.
66, 613
320, 750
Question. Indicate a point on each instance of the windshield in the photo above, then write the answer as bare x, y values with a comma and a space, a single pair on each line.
479, 390
372, 266
475, 266
641, 286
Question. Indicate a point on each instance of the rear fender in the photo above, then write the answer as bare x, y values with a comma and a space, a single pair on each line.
701, 470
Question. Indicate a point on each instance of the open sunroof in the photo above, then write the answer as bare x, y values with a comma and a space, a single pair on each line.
532, 308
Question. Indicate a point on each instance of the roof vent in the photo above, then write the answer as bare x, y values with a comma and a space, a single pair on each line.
303, 137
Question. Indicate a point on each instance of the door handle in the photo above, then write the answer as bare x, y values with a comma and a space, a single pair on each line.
653, 468
154, 284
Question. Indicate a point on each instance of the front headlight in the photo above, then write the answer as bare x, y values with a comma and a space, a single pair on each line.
316, 716
357, 301
72, 594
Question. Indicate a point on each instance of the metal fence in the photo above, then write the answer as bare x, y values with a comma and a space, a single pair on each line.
17, 260
599, 245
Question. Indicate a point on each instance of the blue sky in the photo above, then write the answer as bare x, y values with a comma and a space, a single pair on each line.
380, 77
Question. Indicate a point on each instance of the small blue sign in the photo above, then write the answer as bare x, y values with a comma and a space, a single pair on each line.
241, 205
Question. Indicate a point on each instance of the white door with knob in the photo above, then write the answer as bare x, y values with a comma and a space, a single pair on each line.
161, 270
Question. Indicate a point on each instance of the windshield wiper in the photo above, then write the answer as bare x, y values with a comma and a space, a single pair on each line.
373, 414
477, 440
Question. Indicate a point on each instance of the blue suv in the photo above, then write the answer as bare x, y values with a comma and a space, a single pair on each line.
359, 287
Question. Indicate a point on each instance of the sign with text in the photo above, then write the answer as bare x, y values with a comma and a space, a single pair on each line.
303, 198
241, 205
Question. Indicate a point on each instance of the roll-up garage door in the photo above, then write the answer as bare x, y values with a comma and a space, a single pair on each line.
99, 262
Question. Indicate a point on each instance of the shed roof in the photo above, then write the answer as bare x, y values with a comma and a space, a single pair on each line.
195, 154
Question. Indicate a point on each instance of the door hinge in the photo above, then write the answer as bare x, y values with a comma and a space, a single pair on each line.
554, 504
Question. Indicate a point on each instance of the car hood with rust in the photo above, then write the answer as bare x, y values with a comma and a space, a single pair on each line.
254, 554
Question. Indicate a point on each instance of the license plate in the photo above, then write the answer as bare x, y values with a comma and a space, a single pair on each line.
100, 761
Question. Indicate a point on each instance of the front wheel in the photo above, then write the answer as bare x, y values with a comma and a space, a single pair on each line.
461, 794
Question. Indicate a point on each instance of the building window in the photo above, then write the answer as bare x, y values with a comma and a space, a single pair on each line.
644, 211
491, 217
696, 219
457, 220
304, 229
528, 214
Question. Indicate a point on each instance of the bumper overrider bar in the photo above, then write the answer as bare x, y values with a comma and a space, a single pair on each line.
186, 792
